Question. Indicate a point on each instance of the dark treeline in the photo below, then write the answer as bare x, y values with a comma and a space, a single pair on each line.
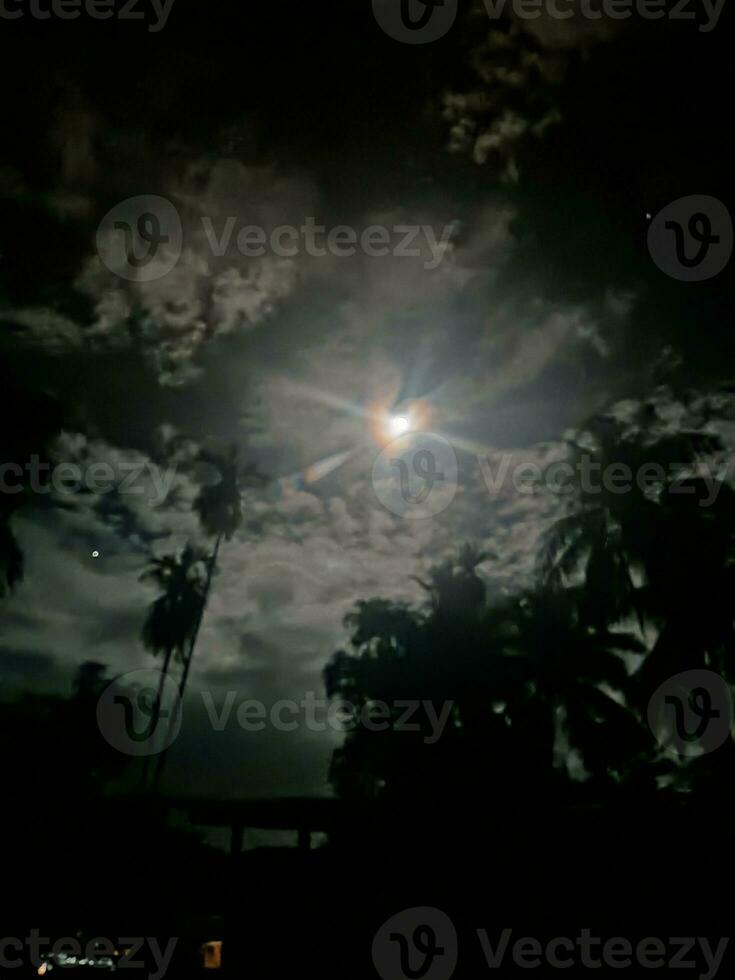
550, 686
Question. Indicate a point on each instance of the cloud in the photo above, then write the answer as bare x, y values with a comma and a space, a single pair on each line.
510, 98
515, 70
206, 295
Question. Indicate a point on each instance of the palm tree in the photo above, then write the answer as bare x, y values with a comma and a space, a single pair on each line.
610, 539
571, 683
219, 509
662, 555
173, 616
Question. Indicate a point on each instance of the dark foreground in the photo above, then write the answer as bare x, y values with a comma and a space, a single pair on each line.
653, 877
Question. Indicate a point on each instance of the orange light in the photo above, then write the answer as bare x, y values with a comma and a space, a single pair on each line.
212, 953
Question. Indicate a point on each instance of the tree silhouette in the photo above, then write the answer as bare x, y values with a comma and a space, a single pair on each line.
610, 537
522, 675
664, 552
219, 509
574, 687
173, 616
32, 420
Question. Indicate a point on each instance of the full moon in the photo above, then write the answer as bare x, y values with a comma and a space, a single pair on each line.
398, 424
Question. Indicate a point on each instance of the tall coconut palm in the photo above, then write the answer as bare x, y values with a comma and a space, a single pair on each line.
608, 536
173, 616
219, 509
667, 554
571, 682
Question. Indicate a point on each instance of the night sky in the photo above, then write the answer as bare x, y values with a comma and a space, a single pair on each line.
542, 144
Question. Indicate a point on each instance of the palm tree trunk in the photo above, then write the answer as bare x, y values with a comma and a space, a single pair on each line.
157, 711
187, 663
207, 586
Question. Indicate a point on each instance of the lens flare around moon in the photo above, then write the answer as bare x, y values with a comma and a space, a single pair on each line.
388, 421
